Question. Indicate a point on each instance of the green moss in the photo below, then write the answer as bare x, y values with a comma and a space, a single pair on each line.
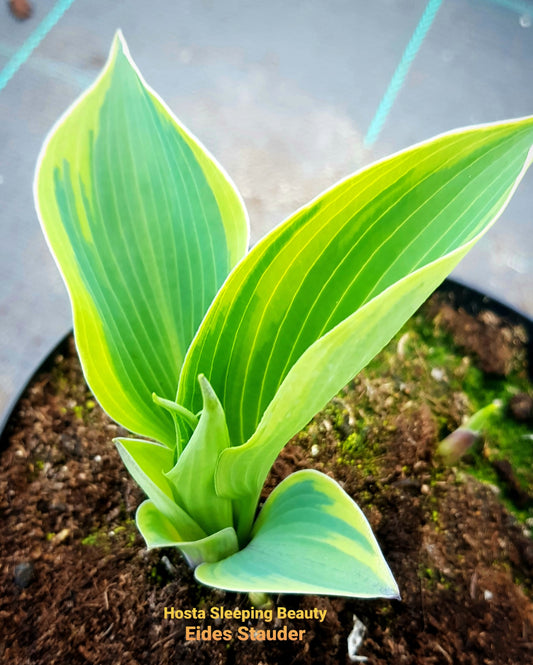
91, 539
105, 537
358, 450
433, 578
423, 365
156, 575
78, 411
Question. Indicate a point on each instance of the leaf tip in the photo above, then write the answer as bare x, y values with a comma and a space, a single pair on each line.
119, 43
395, 592
391, 590
120, 50
119, 443
208, 394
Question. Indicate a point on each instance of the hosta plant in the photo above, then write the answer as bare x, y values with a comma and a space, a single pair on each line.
216, 357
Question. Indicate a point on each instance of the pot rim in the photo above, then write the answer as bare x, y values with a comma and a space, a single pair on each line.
465, 296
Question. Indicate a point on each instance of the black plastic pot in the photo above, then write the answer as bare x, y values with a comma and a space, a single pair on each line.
473, 302
461, 295
45, 364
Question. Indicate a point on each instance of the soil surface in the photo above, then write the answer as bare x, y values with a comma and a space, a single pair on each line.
78, 586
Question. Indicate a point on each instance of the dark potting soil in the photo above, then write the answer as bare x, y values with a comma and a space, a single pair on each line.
78, 586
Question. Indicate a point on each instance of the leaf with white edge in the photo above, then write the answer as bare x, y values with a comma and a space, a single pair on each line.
322, 370
193, 476
147, 463
158, 531
145, 226
310, 537
317, 298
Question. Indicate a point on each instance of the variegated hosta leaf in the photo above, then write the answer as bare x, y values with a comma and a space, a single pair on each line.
314, 301
147, 464
145, 226
158, 531
310, 537
193, 477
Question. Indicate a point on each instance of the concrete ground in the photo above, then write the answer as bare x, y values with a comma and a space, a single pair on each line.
283, 93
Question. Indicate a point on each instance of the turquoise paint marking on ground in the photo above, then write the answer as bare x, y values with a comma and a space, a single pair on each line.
33, 41
401, 71
73, 76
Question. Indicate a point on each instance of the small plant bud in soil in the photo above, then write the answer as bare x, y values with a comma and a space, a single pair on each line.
454, 446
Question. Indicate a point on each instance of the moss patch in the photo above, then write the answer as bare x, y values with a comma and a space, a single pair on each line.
427, 366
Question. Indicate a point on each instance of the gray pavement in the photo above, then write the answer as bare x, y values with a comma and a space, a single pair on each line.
283, 94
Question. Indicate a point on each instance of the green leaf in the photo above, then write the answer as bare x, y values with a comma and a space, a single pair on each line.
158, 531
314, 301
316, 377
310, 537
193, 476
147, 463
145, 227
185, 422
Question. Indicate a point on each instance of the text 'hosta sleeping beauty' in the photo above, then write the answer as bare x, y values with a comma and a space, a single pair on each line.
216, 357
